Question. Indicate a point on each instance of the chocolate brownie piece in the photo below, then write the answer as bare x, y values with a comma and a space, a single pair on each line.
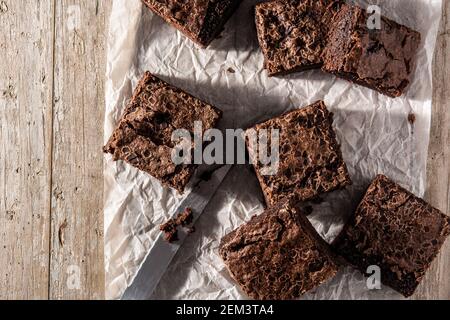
382, 59
310, 161
396, 231
199, 20
278, 255
143, 137
292, 33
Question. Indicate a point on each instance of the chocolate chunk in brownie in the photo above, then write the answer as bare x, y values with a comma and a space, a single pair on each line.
143, 135
381, 59
292, 33
310, 161
278, 255
199, 20
396, 231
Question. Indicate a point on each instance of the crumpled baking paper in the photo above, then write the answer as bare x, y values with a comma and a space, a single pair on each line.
374, 130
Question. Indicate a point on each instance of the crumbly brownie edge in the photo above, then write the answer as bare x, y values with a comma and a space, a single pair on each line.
205, 37
321, 243
339, 43
196, 38
229, 236
180, 27
140, 86
258, 21
253, 158
178, 182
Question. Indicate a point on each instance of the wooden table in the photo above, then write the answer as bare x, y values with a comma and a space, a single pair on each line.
52, 70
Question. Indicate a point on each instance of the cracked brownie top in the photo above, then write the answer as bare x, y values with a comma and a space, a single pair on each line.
143, 137
310, 161
278, 255
396, 231
381, 59
292, 33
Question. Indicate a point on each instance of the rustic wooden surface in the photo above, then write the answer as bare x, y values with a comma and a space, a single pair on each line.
51, 115
436, 284
52, 70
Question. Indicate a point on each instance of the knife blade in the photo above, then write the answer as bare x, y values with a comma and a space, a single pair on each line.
162, 252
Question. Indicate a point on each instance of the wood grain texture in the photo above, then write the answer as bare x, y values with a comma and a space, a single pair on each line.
436, 284
51, 165
25, 147
76, 257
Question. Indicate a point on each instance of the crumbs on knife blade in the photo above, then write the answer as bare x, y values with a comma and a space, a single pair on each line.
170, 228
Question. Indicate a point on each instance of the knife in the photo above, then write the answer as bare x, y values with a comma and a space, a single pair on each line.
162, 252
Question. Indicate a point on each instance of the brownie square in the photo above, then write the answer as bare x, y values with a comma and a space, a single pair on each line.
396, 231
292, 33
278, 255
382, 60
200, 20
143, 137
310, 161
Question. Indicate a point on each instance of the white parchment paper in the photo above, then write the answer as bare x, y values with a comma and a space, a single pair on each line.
374, 131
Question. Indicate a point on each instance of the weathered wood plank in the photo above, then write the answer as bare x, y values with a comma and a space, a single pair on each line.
76, 262
436, 284
26, 80
25, 147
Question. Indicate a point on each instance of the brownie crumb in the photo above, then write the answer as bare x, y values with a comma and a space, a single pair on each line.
185, 218
170, 231
170, 228
411, 118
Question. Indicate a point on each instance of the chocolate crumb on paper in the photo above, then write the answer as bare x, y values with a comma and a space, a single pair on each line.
411, 118
170, 228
